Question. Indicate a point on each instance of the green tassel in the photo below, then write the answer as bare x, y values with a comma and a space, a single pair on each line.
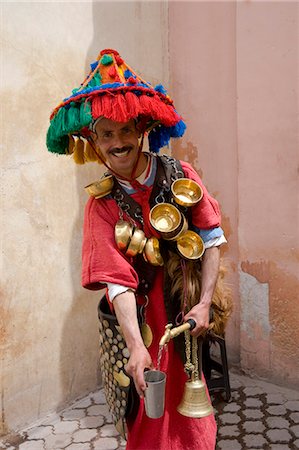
96, 81
59, 146
67, 121
85, 114
72, 119
106, 60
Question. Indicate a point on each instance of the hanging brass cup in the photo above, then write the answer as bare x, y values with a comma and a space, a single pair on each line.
100, 188
123, 232
137, 243
190, 245
181, 229
166, 219
186, 192
152, 253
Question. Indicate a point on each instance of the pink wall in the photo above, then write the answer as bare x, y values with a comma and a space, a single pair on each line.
234, 69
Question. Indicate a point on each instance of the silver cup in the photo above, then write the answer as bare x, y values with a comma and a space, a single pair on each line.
155, 393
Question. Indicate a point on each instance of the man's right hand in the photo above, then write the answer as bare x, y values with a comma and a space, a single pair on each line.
126, 313
139, 360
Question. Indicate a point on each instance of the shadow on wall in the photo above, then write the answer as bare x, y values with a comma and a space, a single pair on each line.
79, 368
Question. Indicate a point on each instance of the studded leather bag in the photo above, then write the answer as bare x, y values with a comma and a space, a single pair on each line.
121, 395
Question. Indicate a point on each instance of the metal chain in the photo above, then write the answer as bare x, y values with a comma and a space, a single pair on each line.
195, 358
189, 367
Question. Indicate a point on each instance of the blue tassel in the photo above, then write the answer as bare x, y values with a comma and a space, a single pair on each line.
177, 130
94, 65
159, 137
161, 89
128, 74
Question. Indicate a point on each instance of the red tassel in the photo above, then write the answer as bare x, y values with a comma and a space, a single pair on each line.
164, 113
132, 80
96, 107
106, 104
119, 109
119, 60
146, 105
133, 105
112, 72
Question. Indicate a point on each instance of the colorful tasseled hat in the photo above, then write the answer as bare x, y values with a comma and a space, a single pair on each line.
112, 90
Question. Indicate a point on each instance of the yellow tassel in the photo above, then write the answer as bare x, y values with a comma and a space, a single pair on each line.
90, 154
71, 144
79, 152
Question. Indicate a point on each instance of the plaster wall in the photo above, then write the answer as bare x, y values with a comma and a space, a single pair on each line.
49, 334
234, 69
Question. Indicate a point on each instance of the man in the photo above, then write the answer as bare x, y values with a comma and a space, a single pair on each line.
112, 110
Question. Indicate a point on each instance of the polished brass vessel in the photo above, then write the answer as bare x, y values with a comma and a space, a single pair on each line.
190, 245
186, 192
123, 232
152, 253
100, 188
166, 219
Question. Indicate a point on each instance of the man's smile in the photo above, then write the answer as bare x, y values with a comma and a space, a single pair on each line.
121, 152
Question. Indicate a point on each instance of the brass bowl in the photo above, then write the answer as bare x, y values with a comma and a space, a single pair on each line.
137, 243
100, 188
182, 228
123, 232
166, 219
190, 245
152, 253
186, 192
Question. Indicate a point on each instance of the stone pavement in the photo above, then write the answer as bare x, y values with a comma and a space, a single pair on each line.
259, 416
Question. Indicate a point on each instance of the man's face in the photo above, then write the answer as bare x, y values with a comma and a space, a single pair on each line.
118, 143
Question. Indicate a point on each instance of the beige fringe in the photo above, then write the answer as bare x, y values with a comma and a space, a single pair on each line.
221, 302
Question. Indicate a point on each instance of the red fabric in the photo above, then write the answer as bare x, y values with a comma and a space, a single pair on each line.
103, 262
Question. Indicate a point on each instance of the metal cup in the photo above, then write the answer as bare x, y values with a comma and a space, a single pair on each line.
155, 393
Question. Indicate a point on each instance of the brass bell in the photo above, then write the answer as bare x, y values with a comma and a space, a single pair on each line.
195, 402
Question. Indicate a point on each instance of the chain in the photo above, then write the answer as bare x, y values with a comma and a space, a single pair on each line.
195, 358
189, 367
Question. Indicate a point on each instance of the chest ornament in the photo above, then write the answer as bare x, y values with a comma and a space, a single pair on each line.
170, 222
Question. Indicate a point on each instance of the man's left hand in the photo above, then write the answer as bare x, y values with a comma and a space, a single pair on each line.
200, 313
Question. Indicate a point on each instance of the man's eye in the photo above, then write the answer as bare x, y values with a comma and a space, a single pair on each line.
127, 130
108, 134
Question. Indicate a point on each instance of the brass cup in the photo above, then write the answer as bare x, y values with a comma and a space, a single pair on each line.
182, 228
100, 188
137, 243
123, 232
152, 253
186, 192
166, 219
190, 245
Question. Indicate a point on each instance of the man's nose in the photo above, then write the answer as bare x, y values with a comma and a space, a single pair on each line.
118, 141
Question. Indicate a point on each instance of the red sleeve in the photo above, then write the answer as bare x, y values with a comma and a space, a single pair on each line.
102, 262
206, 214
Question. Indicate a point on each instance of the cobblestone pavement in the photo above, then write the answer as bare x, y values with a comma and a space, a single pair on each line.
259, 416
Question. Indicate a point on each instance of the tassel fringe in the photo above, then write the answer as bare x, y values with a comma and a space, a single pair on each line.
78, 154
221, 302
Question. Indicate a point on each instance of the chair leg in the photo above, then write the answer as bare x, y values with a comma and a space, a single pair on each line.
209, 364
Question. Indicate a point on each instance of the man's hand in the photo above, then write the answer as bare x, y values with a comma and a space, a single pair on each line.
139, 360
126, 313
200, 313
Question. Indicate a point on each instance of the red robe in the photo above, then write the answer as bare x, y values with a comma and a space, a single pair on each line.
103, 262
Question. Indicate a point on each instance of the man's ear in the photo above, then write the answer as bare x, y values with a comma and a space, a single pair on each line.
139, 130
92, 137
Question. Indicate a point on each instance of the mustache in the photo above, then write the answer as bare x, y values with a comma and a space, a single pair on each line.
121, 149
